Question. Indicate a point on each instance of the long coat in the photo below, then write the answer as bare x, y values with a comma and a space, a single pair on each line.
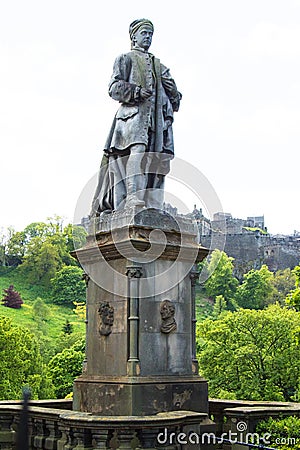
134, 118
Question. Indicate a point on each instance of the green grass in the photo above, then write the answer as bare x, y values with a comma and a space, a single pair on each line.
255, 229
11, 275
52, 326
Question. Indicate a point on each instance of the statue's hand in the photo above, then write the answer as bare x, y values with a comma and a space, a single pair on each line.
145, 93
167, 124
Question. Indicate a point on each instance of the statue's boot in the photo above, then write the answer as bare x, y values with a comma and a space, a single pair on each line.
154, 196
135, 178
135, 191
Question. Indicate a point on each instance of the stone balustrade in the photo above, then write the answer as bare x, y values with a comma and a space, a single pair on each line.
54, 426
61, 429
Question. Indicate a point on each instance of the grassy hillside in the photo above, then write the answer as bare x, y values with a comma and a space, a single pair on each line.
204, 306
52, 326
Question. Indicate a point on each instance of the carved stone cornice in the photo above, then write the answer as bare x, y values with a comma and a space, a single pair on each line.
138, 240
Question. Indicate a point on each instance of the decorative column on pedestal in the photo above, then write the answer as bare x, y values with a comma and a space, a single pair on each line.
134, 274
194, 275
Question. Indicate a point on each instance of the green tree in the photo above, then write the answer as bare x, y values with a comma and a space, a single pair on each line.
5, 236
221, 280
19, 241
293, 298
16, 248
67, 327
251, 354
75, 236
284, 281
41, 312
45, 255
40, 309
2, 254
67, 286
220, 306
42, 249
31, 246
41, 261
21, 363
257, 289
64, 367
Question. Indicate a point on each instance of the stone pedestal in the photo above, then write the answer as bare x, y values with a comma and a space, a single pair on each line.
141, 349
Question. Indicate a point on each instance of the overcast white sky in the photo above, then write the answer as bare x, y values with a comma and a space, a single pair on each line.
235, 61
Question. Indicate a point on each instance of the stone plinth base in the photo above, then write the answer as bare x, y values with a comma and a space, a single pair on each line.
141, 270
139, 396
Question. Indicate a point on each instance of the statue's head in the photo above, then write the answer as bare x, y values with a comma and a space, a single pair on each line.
141, 32
167, 309
106, 313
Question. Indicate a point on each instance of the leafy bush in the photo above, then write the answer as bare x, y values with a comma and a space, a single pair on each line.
67, 286
64, 367
284, 432
21, 363
40, 309
65, 341
80, 310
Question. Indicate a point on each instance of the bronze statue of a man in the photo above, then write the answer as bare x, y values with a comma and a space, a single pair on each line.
140, 145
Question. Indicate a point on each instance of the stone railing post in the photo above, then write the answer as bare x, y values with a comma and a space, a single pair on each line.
83, 438
99, 438
54, 435
62, 442
39, 434
7, 434
67, 441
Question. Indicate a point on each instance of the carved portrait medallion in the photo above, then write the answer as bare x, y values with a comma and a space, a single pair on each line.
167, 312
106, 313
